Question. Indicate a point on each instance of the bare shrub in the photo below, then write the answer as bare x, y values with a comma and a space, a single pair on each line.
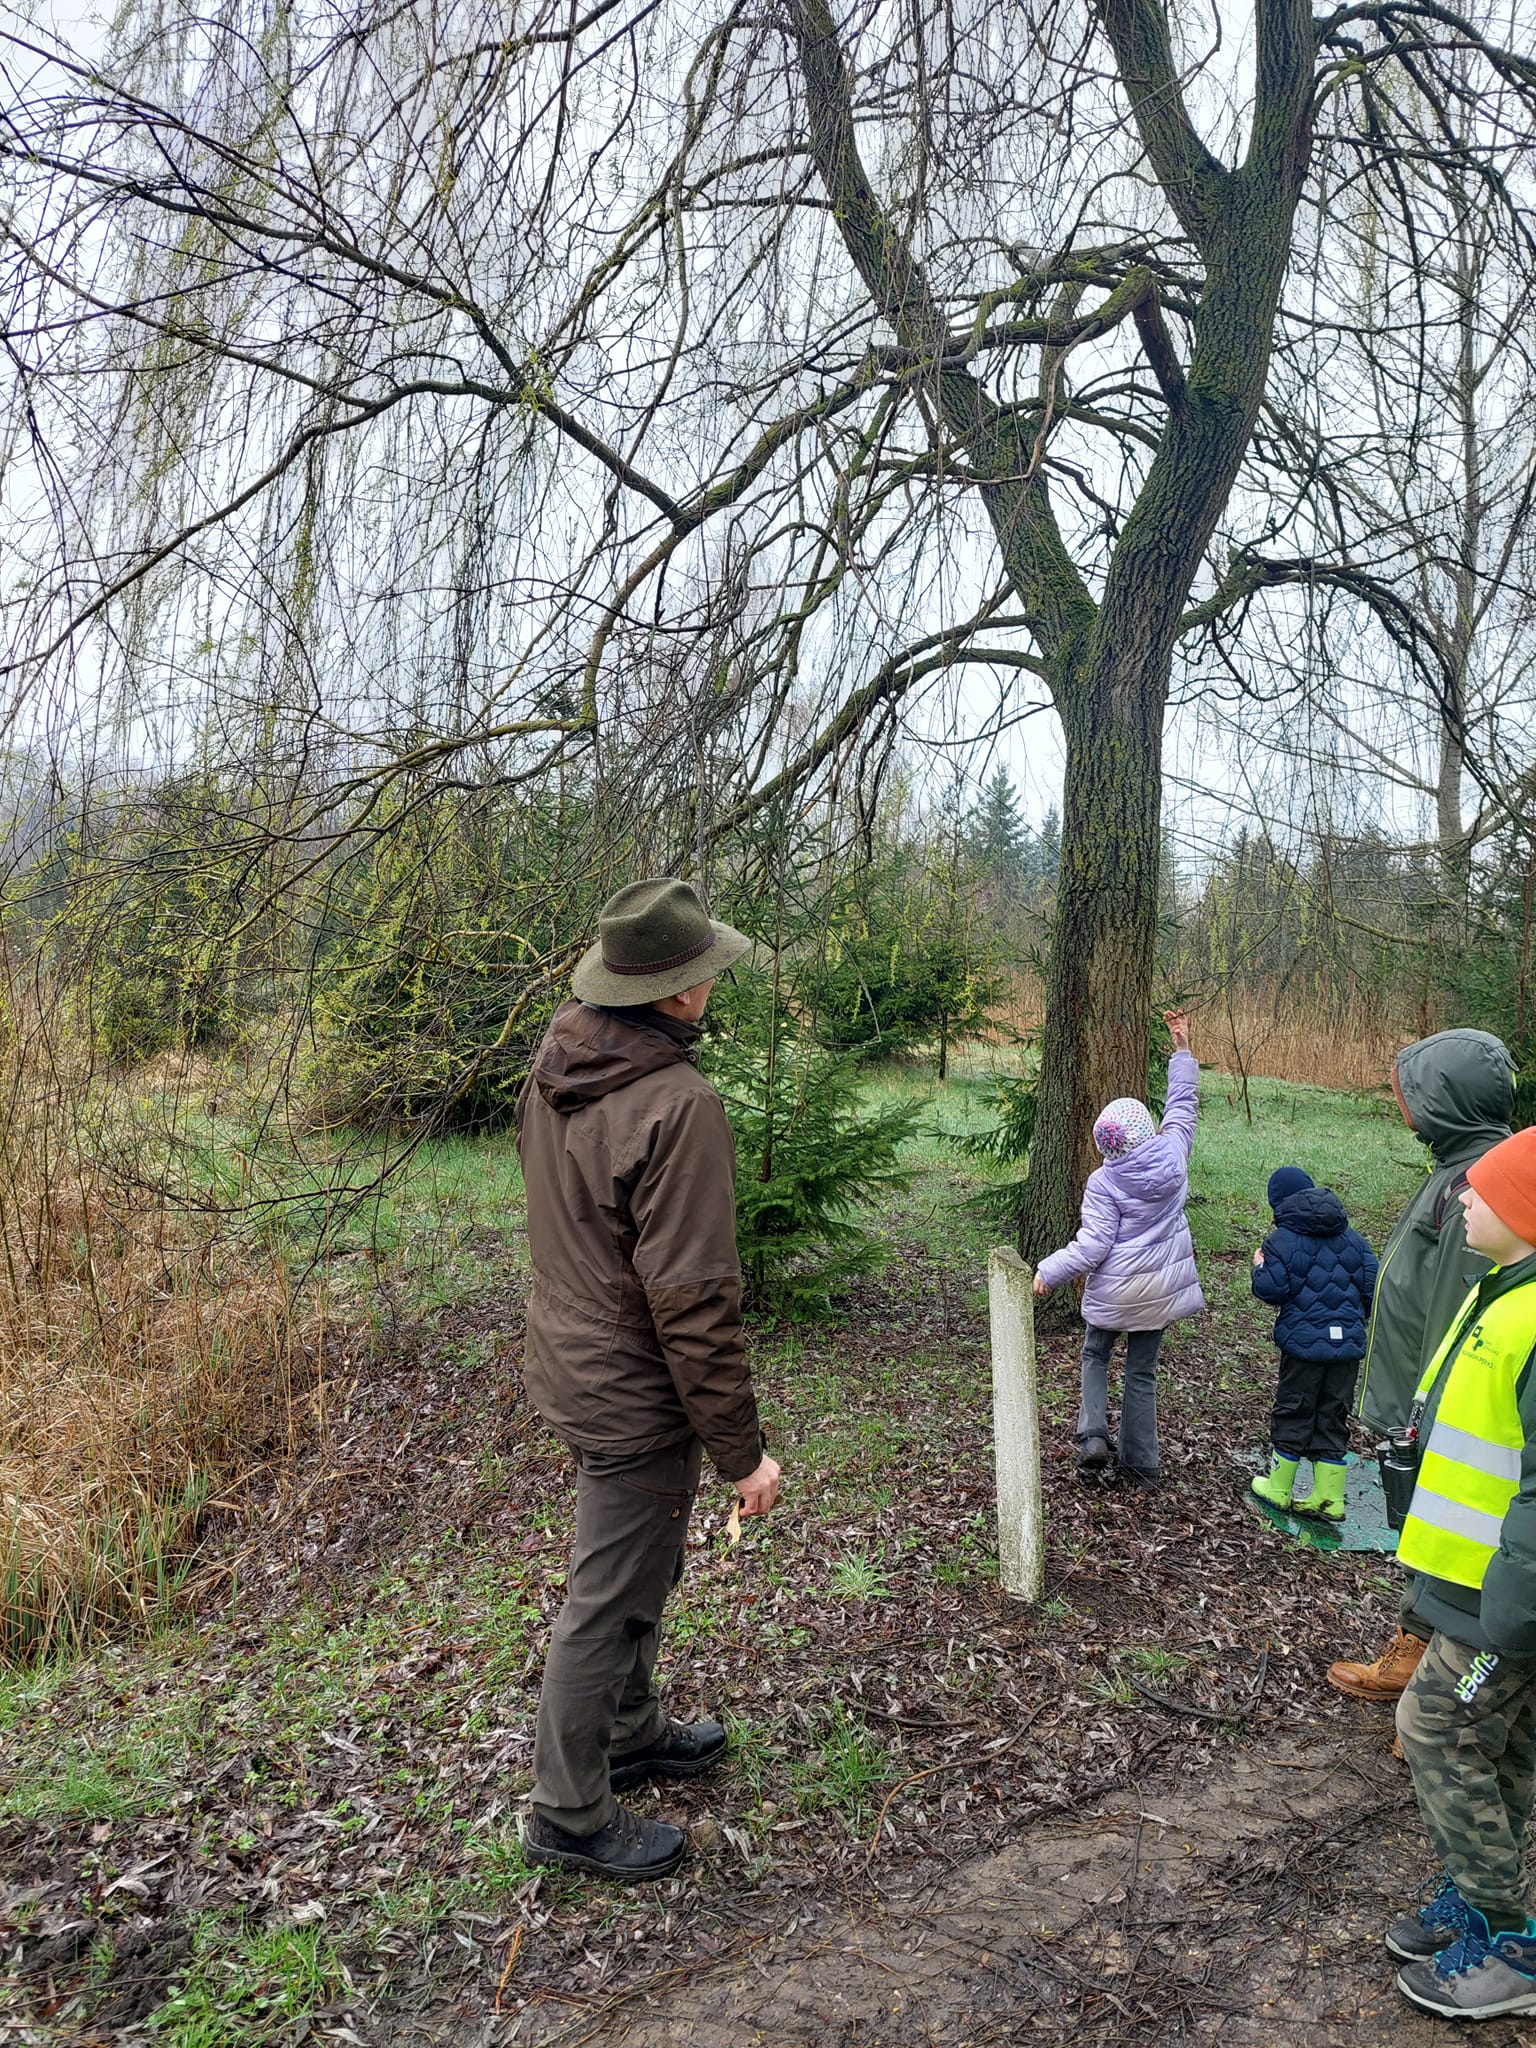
1348, 1043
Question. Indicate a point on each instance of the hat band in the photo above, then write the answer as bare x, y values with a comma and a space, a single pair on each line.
661, 966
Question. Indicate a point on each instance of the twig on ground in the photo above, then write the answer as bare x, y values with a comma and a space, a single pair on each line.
902, 1720
507, 1968
1173, 1706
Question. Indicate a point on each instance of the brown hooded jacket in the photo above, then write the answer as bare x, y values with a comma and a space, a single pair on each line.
634, 1320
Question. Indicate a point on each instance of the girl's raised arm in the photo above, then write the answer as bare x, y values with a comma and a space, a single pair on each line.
1182, 1108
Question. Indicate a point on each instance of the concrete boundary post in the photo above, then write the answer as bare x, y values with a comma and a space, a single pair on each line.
1016, 1427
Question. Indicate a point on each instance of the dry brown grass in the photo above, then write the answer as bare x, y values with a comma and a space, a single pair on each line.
1344, 1043
146, 1360
1346, 1046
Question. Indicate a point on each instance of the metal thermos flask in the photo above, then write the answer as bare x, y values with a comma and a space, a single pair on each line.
1397, 1459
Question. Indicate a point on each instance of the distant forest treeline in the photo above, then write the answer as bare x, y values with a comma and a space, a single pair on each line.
397, 940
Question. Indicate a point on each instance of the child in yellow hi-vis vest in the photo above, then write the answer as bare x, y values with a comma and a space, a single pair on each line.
1467, 1721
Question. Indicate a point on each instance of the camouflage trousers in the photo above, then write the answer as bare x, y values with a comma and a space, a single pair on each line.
1467, 1724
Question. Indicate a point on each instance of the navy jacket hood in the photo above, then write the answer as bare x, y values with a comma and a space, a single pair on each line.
1313, 1212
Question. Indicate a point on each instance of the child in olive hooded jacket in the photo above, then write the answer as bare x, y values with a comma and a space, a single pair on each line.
1456, 1092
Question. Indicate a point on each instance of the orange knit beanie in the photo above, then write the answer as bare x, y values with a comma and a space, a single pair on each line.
1506, 1180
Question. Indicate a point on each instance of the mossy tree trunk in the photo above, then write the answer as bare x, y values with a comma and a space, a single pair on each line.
1107, 660
1099, 973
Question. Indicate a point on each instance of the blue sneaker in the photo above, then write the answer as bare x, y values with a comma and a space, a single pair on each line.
1418, 1937
1481, 1976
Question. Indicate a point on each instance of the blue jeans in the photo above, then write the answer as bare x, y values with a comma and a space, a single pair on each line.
1138, 1400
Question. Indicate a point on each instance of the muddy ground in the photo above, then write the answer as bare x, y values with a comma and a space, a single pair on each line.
1243, 1902
1134, 1814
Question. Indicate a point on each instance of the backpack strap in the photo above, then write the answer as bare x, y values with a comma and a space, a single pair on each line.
1446, 1196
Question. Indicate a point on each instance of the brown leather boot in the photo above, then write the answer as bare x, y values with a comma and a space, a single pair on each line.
1387, 1677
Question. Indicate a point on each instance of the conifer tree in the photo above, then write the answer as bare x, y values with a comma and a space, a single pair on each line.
996, 833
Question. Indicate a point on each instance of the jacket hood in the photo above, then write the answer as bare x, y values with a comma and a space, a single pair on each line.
1459, 1088
588, 1053
1153, 1171
1312, 1212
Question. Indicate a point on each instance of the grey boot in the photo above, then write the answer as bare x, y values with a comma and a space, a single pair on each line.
1441, 1921
1482, 1976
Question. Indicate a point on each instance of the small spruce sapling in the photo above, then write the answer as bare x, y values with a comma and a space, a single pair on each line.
810, 1154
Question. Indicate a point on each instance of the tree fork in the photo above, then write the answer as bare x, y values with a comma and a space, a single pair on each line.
1099, 973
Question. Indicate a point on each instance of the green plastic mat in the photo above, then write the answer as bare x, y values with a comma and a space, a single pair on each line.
1364, 1526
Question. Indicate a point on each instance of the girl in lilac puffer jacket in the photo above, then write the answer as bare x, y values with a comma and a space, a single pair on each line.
1136, 1251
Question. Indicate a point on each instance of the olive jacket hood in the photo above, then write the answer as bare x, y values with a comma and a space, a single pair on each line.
634, 1316
1459, 1091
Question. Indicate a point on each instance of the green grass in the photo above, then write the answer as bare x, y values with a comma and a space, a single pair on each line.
416, 1232
338, 1672
411, 1221
845, 1768
857, 1575
26, 1688
249, 1985
1156, 1661
754, 1756
124, 1768
1111, 1690
1356, 1144
392, 1211
975, 1553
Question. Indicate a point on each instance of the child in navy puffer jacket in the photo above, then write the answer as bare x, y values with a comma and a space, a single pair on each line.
1321, 1275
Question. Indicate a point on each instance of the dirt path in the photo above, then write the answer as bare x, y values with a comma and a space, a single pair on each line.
1245, 1904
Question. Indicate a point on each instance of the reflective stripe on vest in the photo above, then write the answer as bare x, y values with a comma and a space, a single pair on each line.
1470, 1471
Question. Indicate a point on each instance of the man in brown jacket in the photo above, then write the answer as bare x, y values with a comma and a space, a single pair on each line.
634, 1356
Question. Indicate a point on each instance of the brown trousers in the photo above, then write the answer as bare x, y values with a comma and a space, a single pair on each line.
599, 1695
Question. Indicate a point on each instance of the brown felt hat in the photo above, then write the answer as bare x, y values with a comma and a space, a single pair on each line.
655, 939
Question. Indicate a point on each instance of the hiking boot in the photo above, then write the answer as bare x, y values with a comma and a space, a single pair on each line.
1437, 1924
1480, 1976
1277, 1484
1327, 1496
1145, 1482
628, 1848
1094, 1454
1387, 1678
683, 1749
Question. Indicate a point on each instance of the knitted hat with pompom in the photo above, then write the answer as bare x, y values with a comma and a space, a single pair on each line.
1121, 1126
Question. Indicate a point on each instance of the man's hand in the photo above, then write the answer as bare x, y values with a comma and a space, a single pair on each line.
1041, 1286
1258, 1255
1178, 1028
760, 1489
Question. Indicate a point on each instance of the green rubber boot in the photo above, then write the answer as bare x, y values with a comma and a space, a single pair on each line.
1327, 1495
1277, 1483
